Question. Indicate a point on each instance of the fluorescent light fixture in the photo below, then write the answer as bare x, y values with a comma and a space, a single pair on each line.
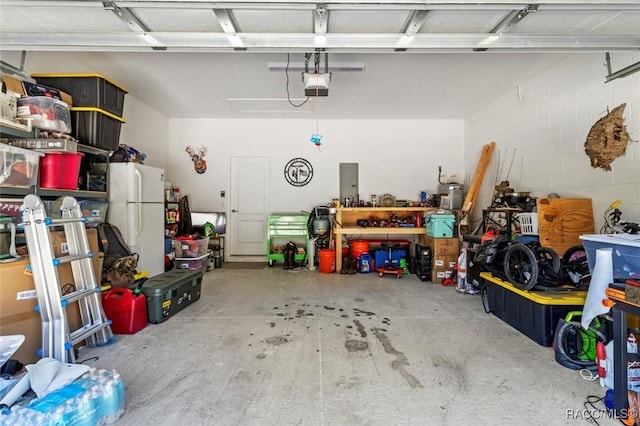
271, 105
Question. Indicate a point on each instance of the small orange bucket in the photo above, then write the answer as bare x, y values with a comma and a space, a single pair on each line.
327, 261
358, 247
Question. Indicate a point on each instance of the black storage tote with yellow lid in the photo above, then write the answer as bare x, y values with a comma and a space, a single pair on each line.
88, 90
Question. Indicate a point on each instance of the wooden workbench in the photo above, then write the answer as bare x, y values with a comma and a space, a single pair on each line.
346, 217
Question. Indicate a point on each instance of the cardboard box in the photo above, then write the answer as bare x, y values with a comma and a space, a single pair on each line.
442, 267
447, 262
59, 242
441, 246
18, 298
438, 274
17, 309
28, 89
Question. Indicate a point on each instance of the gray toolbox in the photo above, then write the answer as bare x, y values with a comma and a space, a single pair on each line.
171, 292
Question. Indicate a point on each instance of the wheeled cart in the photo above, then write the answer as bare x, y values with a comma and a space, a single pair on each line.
171, 292
285, 227
390, 270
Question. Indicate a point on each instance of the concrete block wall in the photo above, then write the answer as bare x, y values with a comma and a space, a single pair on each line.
540, 128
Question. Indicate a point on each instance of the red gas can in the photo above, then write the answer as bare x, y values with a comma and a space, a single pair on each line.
127, 312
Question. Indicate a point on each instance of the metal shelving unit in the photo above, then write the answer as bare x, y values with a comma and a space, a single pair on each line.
21, 191
13, 194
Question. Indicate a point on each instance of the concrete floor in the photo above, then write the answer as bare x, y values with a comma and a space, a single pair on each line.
275, 347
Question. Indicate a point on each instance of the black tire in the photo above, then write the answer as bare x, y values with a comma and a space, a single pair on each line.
549, 257
576, 265
521, 267
484, 295
271, 262
573, 255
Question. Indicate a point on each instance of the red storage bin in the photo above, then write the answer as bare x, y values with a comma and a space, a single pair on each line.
60, 170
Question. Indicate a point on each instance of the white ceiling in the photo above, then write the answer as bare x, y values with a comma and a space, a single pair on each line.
422, 59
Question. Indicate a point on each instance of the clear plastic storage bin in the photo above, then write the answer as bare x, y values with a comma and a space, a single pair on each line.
47, 113
626, 252
192, 263
18, 166
191, 248
94, 210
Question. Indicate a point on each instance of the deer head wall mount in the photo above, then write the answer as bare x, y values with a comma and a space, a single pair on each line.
197, 156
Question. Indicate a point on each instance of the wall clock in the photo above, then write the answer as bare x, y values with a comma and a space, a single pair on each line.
298, 172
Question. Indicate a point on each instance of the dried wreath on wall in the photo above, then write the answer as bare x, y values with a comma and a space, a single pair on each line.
607, 139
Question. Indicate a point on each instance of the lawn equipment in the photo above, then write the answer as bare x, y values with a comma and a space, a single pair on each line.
514, 262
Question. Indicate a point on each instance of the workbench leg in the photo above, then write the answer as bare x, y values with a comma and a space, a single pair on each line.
338, 252
621, 399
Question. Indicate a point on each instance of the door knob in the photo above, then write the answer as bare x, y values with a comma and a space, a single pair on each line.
234, 211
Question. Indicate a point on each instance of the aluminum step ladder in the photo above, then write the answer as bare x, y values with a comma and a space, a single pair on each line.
57, 339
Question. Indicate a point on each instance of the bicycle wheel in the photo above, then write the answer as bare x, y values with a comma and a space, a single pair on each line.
549, 257
521, 267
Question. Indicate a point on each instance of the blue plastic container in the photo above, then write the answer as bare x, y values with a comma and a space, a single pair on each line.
382, 258
364, 263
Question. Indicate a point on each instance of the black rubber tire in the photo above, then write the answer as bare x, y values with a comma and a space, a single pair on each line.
549, 256
575, 254
271, 262
484, 295
521, 267
575, 261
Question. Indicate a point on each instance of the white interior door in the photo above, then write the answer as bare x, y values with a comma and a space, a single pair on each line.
249, 195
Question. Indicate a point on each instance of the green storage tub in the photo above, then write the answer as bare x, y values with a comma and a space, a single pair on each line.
170, 292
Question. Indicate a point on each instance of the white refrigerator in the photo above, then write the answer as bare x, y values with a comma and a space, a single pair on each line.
136, 207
